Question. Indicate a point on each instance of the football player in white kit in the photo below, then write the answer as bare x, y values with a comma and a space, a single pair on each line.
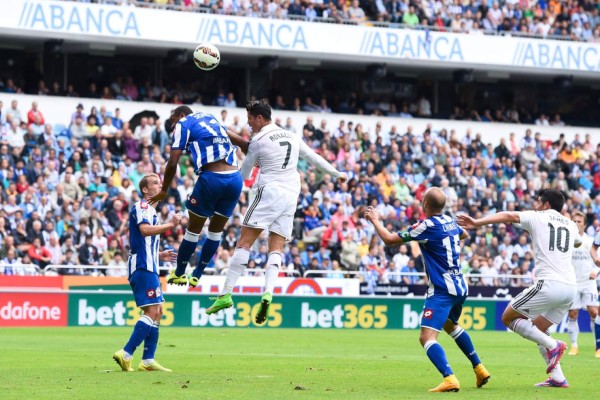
548, 300
587, 292
275, 151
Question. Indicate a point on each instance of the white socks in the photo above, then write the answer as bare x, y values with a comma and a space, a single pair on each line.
573, 328
528, 330
237, 265
556, 373
272, 271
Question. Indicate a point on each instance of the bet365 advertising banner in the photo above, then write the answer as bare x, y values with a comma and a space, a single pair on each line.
117, 308
286, 312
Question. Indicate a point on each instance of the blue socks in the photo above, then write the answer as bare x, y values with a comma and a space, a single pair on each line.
150, 343
140, 332
437, 355
186, 249
209, 248
463, 340
597, 331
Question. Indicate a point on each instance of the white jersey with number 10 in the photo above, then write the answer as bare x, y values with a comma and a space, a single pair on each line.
554, 238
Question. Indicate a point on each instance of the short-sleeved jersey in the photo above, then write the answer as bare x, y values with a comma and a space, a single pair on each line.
204, 139
582, 260
554, 238
439, 240
276, 152
144, 250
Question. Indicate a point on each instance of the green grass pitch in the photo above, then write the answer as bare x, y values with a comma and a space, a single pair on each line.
76, 363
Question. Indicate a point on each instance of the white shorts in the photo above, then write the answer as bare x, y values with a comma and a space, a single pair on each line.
587, 295
550, 299
272, 208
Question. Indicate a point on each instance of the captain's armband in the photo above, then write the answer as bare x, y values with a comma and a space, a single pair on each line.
405, 236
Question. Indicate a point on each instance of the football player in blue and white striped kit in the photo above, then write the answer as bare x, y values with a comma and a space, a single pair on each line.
144, 238
439, 240
216, 191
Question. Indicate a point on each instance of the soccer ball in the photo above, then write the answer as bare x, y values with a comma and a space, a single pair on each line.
206, 56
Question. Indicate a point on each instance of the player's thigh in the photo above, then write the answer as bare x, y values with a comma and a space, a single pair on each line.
456, 310
283, 225
212, 194
146, 288
587, 295
436, 311
229, 194
558, 300
268, 205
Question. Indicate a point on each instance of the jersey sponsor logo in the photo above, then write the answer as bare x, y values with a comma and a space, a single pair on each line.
428, 313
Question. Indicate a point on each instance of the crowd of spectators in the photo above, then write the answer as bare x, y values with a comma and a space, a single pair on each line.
65, 194
572, 19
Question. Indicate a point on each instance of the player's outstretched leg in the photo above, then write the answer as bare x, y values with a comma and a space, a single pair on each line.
573, 327
238, 263
464, 343
271, 273
437, 355
555, 348
597, 334
139, 334
186, 249
148, 362
557, 377
209, 248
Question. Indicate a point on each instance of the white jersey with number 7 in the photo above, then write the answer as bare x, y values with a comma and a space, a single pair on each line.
276, 151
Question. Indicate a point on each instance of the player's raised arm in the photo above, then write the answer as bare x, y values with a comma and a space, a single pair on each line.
389, 238
507, 217
319, 162
151, 230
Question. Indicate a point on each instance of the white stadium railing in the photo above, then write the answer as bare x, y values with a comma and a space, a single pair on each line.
51, 269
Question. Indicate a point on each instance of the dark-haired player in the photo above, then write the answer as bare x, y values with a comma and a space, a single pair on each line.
217, 189
548, 300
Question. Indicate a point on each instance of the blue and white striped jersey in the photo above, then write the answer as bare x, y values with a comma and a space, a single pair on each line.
204, 139
439, 240
144, 250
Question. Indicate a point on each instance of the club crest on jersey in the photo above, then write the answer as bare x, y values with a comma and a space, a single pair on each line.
143, 205
428, 313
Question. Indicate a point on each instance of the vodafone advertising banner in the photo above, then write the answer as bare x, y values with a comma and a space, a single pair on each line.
33, 309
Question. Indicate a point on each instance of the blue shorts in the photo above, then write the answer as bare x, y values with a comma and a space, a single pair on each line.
215, 194
439, 308
146, 288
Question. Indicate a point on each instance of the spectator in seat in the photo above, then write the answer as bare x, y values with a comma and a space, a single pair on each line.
39, 254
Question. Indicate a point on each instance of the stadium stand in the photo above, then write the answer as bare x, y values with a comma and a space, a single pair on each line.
566, 20
68, 181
